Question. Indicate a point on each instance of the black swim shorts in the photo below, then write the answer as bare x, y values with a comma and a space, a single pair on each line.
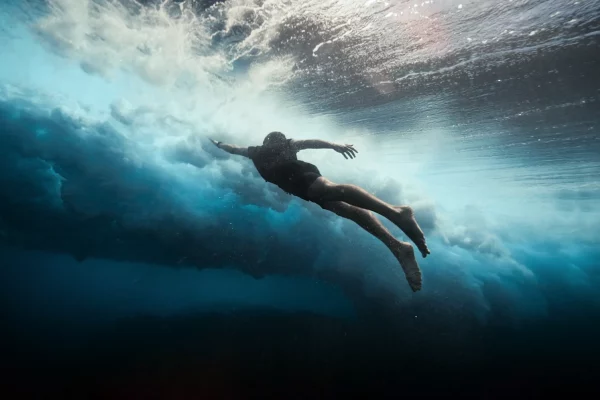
294, 177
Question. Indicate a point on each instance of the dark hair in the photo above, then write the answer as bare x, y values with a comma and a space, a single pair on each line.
274, 138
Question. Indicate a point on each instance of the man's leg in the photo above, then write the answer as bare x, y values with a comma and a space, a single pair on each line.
402, 251
323, 190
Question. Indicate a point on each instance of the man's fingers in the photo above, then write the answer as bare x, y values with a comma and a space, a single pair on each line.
350, 151
347, 151
351, 146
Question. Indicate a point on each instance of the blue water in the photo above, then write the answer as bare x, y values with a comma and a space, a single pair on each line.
116, 211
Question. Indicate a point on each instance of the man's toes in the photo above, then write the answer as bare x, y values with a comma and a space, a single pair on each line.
415, 282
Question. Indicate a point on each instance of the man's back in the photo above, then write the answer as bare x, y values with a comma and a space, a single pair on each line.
268, 157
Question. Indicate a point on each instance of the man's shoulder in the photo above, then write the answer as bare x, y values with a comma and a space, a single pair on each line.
253, 150
292, 144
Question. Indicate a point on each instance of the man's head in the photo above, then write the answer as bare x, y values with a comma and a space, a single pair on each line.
274, 139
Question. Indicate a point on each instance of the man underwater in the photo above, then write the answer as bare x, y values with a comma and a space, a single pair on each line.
277, 163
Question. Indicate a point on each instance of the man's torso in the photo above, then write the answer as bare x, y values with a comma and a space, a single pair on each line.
267, 159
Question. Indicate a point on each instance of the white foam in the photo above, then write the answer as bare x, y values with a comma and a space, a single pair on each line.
188, 93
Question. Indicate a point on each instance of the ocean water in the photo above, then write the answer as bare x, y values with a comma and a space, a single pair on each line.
139, 261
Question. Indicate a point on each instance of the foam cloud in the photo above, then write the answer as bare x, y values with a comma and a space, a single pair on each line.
476, 240
101, 180
107, 36
188, 151
79, 185
137, 179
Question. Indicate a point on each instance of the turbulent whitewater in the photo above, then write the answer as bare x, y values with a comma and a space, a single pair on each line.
483, 115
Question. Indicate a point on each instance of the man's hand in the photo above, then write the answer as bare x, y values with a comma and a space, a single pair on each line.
240, 151
347, 150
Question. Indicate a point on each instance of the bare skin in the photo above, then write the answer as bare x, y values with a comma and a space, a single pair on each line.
401, 216
354, 203
401, 250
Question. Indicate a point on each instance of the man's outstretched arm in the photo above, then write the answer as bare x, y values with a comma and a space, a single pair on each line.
347, 150
240, 151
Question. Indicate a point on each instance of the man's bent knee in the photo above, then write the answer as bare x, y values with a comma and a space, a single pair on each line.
338, 207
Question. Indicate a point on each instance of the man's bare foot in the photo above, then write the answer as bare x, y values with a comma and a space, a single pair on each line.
405, 254
406, 221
